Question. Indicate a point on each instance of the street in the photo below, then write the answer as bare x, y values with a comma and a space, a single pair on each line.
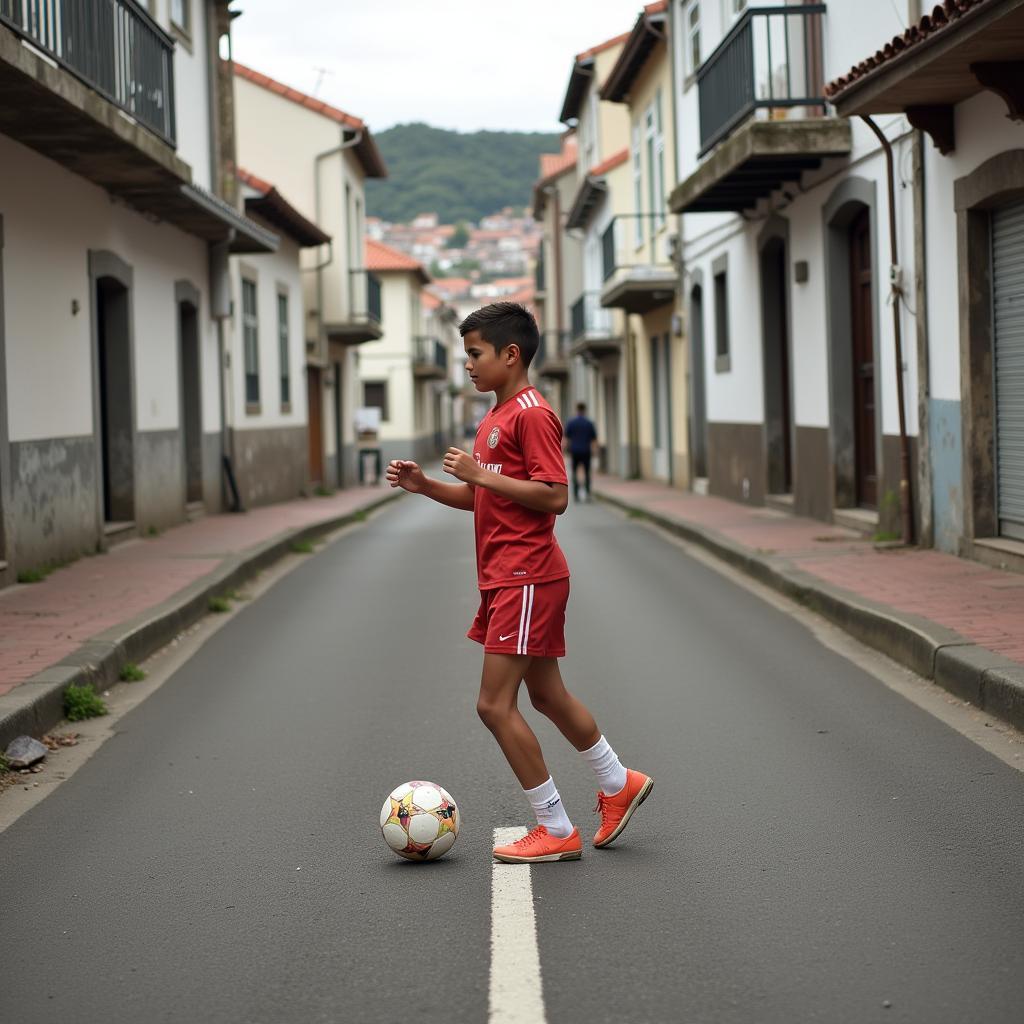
816, 848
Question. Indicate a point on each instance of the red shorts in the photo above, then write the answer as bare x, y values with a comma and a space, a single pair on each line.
523, 620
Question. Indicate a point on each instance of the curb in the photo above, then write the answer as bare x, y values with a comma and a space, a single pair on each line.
971, 672
37, 704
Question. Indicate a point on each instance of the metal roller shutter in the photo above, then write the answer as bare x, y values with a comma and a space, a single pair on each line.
1008, 325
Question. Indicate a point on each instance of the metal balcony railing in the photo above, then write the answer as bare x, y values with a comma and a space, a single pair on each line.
589, 318
113, 46
365, 296
771, 60
429, 352
631, 242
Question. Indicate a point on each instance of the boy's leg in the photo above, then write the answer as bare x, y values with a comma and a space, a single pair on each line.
498, 709
550, 697
622, 790
586, 472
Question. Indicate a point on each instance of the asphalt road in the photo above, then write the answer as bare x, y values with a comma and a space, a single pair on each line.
815, 849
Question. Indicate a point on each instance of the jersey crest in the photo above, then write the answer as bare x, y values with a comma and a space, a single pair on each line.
493, 437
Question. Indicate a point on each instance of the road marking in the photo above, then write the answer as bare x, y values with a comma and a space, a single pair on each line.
515, 994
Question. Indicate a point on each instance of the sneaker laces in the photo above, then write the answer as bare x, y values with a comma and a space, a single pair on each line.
604, 804
532, 837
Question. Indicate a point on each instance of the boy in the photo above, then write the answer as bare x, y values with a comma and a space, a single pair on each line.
515, 484
582, 437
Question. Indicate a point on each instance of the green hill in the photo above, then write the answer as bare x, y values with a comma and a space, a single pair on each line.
458, 176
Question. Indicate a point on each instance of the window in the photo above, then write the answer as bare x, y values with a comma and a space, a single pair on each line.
638, 190
251, 342
375, 396
693, 38
655, 145
282, 349
722, 362
180, 14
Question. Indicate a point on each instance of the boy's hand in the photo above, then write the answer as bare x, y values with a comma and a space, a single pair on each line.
461, 465
407, 475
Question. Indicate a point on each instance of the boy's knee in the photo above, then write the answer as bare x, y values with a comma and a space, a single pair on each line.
490, 713
541, 702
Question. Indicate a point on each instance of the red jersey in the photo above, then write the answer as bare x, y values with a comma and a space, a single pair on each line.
520, 438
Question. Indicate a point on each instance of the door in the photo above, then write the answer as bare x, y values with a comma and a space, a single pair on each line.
314, 390
115, 398
862, 336
1008, 352
699, 416
659, 405
191, 408
775, 335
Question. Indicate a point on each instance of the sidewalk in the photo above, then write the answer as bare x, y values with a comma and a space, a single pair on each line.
951, 620
83, 622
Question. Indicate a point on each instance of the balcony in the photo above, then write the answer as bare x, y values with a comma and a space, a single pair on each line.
364, 319
429, 358
553, 357
638, 275
592, 331
761, 97
112, 46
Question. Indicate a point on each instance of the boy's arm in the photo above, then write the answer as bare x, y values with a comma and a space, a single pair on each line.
538, 495
408, 475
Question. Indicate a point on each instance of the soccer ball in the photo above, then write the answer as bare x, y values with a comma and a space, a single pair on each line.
419, 821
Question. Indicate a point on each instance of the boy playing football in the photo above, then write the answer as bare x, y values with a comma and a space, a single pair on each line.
515, 485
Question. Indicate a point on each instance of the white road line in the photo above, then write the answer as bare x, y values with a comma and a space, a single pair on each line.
515, 995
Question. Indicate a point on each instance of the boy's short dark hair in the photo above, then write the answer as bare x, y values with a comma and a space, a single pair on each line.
581, 407
502, 324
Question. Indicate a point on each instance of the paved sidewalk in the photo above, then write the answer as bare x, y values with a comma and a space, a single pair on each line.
953, 620
123, 604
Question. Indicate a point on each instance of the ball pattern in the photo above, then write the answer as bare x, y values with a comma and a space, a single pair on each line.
419, 821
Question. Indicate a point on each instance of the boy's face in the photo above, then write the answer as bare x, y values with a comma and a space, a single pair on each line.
487, 368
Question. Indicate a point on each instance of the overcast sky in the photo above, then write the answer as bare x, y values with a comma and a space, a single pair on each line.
464, 64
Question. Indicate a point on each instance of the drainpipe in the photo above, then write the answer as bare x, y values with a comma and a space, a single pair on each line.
907, 532
220, 311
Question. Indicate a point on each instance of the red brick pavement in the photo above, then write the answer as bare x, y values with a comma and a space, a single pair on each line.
40, 623
985, 605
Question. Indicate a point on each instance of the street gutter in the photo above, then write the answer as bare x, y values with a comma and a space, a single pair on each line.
973, 673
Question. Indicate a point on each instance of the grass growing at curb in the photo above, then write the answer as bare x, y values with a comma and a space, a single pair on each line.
82, 702
635, 513
360, 515
302, 547
219, 604
39, 573
323, 492
4, 766
131, 673
884, 536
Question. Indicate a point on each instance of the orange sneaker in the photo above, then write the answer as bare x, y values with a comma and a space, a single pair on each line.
618, 809
539, 845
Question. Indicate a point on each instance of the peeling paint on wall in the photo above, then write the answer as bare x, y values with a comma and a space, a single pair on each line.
947, 469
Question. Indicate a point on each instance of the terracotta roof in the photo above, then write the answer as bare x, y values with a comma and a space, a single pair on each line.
367, 150
276, 210
601, 47
615, 160
430, 300
554, 164
649, 30
525, 296
942, 17
382, 257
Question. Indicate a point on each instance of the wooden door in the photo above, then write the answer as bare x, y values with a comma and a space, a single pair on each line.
314, 387
862, 336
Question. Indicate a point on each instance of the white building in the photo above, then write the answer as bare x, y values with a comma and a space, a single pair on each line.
405, 372
319, 157
116, 225
840, 368
266, 400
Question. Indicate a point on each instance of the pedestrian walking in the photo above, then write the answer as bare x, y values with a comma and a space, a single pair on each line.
515, 485
581, 437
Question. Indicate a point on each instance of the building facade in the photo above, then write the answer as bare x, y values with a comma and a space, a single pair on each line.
114, 279
319, 157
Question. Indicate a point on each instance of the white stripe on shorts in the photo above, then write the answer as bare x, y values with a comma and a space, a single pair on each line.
524, 627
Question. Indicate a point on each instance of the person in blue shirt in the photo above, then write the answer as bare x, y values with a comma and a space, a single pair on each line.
581, 435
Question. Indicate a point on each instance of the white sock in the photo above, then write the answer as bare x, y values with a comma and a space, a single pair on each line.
611, 776
547, 805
